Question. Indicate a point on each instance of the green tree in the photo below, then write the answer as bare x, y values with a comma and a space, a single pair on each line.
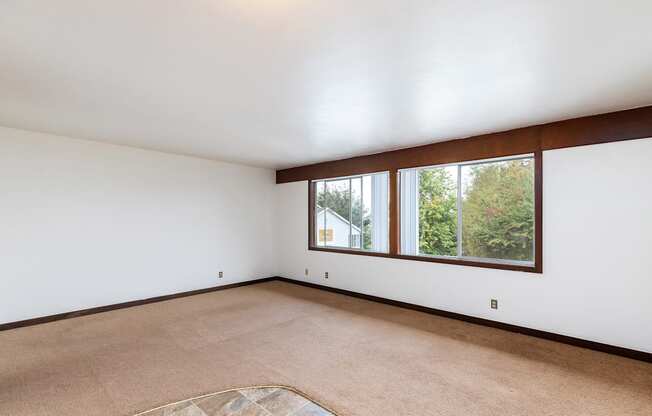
498, 211
339, 201
437, 212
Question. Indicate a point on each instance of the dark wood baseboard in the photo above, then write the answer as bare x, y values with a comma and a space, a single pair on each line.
577, 342
107, 308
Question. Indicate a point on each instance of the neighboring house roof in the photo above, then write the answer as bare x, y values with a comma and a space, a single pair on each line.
341, 218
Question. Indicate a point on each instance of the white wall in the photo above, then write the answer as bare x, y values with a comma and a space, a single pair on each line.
597, 281
85, 224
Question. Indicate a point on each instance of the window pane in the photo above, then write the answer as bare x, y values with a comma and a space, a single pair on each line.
498, 210
337, 210
320, 233
438, 211
353, 212
367, 218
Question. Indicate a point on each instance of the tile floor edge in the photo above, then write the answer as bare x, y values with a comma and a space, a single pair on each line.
263, 386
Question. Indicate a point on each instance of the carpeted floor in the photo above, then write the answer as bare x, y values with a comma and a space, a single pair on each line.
354, 356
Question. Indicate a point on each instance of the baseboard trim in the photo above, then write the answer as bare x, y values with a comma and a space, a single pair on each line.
107, 308
551, 336
564, 339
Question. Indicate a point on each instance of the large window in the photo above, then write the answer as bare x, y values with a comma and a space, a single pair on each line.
477, 211
483, 213
351, 213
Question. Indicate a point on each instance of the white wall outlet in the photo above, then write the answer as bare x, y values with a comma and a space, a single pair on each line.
306, 272
325, 275
220, 275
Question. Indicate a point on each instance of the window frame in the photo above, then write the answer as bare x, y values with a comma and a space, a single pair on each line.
394, 219
459, 209
312, 191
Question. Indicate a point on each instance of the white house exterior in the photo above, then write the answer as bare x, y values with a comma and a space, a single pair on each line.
338, 230
333, 230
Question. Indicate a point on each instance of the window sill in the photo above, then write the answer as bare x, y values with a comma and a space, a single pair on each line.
487, 265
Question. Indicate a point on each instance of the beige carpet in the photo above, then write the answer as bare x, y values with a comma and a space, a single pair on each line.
354, 356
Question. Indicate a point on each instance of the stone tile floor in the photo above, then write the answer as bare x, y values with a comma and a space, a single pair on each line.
256, 401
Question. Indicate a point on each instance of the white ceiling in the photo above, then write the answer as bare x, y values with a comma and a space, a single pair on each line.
279, 83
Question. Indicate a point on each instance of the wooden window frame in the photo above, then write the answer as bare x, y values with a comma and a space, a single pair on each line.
394, 227
311, 203
591, 130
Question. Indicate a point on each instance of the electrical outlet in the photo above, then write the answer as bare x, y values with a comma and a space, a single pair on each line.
220, 275
326, 275
306, 272
494, 303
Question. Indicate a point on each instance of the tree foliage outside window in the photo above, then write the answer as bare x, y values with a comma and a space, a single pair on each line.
438, 212
497, 210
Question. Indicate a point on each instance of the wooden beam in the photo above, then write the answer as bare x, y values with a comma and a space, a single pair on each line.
603, 128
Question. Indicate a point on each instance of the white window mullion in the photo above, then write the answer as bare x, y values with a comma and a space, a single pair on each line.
350, 213
361, 213
325, 213
459, 211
